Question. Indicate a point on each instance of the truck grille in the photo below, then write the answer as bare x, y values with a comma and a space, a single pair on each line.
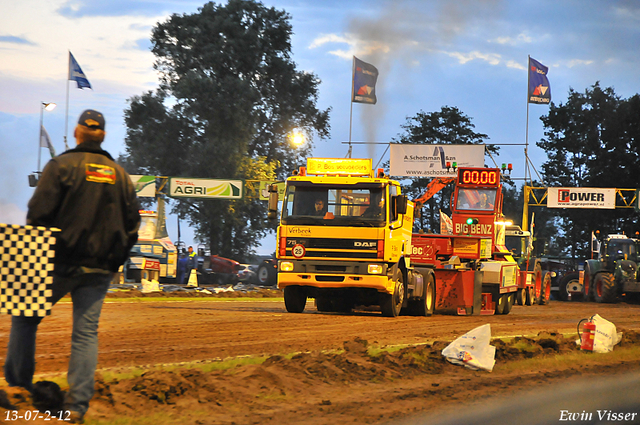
335, 248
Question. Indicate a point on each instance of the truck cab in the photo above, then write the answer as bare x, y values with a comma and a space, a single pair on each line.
345, 238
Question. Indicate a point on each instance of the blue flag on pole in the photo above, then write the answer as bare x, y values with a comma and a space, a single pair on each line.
76, 74
364, 82
539, 88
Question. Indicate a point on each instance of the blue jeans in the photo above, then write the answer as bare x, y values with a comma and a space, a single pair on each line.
87, 293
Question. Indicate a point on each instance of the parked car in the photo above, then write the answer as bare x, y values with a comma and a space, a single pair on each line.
248, 273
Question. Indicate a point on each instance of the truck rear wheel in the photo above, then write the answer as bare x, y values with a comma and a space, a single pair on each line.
323, 304
295, 299
545, 290
424, 306
605, 288
391, 304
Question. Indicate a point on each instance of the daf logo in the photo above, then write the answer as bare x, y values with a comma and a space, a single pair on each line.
358, 244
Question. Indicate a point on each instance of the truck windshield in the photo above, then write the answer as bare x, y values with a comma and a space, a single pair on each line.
476, 199
622, 249
335, 205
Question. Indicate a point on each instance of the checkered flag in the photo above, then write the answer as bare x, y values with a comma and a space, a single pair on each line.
26, 267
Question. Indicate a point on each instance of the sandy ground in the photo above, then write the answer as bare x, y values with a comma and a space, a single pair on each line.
338, 375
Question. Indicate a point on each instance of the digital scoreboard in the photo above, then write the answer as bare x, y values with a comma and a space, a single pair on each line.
478, 176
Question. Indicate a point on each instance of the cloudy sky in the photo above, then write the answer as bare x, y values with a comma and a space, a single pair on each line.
471, 54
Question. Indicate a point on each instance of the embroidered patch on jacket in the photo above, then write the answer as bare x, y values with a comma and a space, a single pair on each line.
99, 173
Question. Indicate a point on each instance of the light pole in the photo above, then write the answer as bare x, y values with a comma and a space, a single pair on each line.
33, 178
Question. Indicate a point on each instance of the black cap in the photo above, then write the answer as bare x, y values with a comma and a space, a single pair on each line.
92, 119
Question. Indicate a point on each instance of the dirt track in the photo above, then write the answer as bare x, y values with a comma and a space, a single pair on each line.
173, 331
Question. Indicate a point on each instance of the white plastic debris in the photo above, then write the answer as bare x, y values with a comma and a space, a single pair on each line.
473, 349
228, 289
150, 286
606, 336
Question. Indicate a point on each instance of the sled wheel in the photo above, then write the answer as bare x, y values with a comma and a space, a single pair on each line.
501, 303
531, 296
521, 297
545, 290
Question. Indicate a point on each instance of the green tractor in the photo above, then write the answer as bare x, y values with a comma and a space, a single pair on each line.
613, 271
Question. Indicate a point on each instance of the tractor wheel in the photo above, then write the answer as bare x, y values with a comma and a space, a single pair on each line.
425, 305
521, 297
391, 304
545, 290
605, 288
267, 275
570, 284
587, 284
295, 299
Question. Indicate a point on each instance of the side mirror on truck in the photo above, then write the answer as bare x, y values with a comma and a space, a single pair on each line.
401, 204
272, 213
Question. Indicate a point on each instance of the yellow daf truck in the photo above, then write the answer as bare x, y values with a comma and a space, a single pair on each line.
344, 239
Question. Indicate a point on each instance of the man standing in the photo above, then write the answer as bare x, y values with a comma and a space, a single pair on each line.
191, 264
91, 199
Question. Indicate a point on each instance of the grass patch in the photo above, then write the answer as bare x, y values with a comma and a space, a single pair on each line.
567, 361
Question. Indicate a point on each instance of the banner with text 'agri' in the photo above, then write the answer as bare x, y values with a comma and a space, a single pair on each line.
205, 188
410, 160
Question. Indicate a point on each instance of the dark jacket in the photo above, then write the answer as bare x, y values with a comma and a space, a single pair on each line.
92, 200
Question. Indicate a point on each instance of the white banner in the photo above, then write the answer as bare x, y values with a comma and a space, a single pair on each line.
581, 197
145, 185
411, 160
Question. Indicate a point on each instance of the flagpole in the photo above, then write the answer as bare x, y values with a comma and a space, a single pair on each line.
526, 143
353, 65
40, 134
66, 115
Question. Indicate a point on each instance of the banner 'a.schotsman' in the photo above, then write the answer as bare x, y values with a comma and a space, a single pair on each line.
205, 188
411, 160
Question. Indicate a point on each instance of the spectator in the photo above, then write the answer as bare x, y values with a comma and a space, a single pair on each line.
91, 199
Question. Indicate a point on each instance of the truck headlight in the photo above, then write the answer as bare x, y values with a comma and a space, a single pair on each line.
374, 269
286, 266
553, 274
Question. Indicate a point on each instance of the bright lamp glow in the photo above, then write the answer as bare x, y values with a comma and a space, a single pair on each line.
286, 266
297, 138
374, 269
49, 106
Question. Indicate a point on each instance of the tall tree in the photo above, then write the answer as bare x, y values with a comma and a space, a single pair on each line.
592, 141
447, 126
229, 97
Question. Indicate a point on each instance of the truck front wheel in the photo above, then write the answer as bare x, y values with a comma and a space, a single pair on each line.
295, 299
391, 304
